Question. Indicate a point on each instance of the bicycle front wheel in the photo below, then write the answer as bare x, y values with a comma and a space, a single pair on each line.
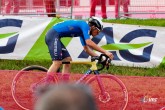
21, 91
109, 91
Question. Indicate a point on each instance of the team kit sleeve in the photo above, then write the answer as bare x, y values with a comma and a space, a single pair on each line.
85, 30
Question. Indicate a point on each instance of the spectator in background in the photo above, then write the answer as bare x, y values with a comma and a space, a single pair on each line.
103, 8
9, 3
50, 8
66, 97
125, 4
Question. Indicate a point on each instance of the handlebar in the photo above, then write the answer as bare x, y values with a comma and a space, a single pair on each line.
103, 59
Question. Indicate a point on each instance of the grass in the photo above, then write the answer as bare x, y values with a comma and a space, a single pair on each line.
118, 70
145, 22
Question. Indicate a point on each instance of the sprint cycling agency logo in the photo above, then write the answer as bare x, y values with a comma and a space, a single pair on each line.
148, 99
9, 39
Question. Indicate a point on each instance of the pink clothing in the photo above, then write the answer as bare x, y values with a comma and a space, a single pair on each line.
9, 3
50, 8
124, 3
103, 8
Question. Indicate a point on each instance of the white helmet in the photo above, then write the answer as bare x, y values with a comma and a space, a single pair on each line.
96, 22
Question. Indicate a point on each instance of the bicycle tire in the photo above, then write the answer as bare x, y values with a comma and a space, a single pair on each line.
21, 83
35, 67
115, 92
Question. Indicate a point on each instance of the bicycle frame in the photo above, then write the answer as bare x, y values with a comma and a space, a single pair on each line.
93, 69
93, 64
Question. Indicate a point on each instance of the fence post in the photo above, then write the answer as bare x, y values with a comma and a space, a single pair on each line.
0, 6
72, 9
117, 9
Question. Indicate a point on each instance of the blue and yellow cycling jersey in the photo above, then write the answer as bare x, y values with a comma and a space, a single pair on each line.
73, 28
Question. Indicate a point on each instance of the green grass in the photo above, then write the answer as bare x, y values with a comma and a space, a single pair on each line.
118, 70
145, 22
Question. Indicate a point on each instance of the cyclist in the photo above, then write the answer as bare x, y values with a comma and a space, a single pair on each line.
72, 28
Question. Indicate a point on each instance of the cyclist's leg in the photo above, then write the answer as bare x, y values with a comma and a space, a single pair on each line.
66, 58
66, 67
55, 49
54, 45
54, 67
64, 55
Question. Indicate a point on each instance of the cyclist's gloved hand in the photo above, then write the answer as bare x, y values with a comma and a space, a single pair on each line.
108, 64
110, 55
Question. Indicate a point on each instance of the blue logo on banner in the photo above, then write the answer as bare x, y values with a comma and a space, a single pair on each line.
125, 54
9, 48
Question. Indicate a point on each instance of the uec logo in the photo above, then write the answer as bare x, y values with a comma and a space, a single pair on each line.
107, 33
9, 47
125, 53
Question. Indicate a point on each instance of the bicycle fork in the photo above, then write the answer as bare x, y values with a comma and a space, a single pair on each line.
104, 96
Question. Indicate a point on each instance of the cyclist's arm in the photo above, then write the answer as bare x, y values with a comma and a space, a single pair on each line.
89, 51
86, 38
87, 41
91, 44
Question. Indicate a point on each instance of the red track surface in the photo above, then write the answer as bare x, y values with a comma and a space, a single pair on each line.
145, 93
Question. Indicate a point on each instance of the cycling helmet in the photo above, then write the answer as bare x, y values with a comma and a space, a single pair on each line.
96, 22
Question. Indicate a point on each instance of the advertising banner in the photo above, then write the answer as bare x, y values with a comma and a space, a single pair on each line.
23, 38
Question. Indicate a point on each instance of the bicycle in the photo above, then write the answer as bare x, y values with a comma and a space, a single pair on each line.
110, 89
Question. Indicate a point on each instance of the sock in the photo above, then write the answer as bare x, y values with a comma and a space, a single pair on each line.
49, 78
65, 77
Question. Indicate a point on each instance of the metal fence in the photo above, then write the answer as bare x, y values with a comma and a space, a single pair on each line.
81, 9
141, 8
37, 7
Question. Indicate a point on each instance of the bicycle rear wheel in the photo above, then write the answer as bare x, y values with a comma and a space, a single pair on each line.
21, 92
109, 91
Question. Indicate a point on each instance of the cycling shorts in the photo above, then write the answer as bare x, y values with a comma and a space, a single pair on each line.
56, 49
